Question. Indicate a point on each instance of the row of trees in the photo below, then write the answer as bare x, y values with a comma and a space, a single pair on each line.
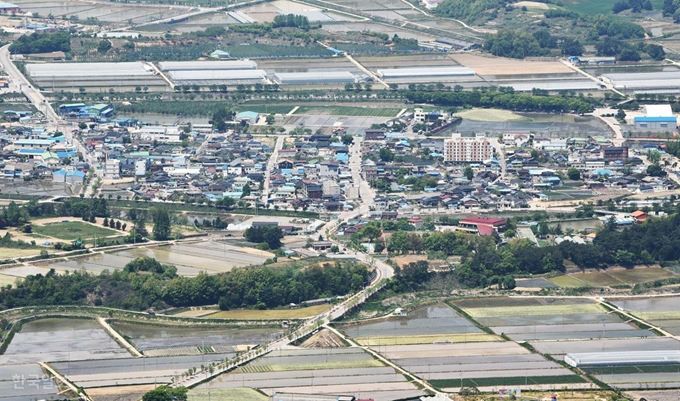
509, 101
145, 283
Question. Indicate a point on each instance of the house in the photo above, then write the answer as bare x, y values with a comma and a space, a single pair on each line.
400, 312
249, 117
374, 135
481, 225
321, 245
417, 222
611, 153
639, 215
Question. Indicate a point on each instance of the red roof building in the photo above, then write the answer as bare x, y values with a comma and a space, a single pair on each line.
481, 225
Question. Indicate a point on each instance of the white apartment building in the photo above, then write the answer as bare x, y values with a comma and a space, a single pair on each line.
467, 148
112, 169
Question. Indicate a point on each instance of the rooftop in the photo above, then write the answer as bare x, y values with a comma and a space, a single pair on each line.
483, 220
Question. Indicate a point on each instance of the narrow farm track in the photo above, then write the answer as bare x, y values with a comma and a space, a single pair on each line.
62, 379
118, 338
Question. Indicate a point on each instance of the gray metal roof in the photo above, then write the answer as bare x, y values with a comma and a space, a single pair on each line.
424, 72
217, 74
623, 358
79, 70
313, 75
207, 65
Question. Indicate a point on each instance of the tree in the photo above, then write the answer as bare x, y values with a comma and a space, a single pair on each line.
82, 125
270, 119
386, 155
271, 235
469, 173
621, 115
347, 139
246, 191
166, 393
161, 225
104, 46
574, 174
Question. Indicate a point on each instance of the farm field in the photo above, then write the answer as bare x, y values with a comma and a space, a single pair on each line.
560, 348
661, 312
424, 323
107, 12
349, 111
557, 319
6, 253
132, 371
567, 281
403, 61
246, 314
503, 66
6, 280
34, 386
227, 394
477, 364
56, 339
319, 371
378, 28
147, 337
598, 279
641, 275
490, 115
73, 230
559, 309
427, 339
599, 7
190, 259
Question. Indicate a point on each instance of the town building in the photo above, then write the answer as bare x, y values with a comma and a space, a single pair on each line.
112, 168
481, 225
460, 148
611, 153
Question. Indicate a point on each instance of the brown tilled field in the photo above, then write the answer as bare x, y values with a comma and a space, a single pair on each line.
323, 339
504, 66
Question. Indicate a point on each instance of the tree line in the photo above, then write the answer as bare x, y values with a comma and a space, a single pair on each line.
145, 283
482, 263
42, 43
503, 100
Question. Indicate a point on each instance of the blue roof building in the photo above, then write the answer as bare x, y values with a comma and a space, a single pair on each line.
665, 123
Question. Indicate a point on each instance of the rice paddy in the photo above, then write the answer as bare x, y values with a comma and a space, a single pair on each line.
534, 310
428, 339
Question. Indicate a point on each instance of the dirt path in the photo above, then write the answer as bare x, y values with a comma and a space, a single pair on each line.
119, 339
62, 379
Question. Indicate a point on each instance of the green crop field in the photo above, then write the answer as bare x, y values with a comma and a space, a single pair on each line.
506, 381
73, 230
622, 370
568, 282
320, 365
266, 109
226, 394
534, 310
349, 111
6, 280
598, 279
599, 7
635, 276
